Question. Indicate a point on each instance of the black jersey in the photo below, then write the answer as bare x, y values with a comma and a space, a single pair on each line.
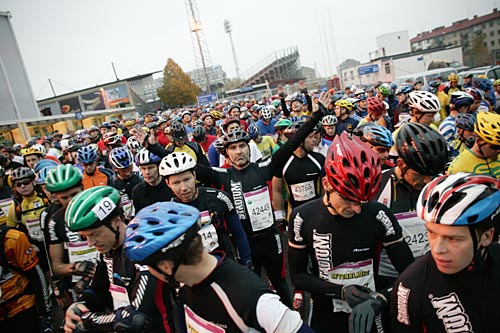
237, 300
302, 177
425, 300
144, 194
144, 291
396, 194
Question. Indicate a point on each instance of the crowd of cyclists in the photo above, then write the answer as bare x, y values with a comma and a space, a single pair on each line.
372, 209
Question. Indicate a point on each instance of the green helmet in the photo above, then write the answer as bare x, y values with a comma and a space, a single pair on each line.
63, 177
384, 90
92, 208
276, 103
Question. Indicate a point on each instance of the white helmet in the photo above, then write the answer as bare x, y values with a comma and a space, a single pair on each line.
133, 144
176, 163
424, 101
266, 113
329, 120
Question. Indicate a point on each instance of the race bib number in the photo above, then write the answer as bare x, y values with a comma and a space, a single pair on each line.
303, 191
209, 237
80, 251
5, 204
34, 229
414, 233
359, 273
128, 207
119, 295
196, 324
104, 208
258, 205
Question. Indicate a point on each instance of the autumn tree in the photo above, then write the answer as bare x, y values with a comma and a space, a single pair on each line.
177, 89
478, 53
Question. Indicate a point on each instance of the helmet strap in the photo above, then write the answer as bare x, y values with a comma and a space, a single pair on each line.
479, 252
328, 202
117, 234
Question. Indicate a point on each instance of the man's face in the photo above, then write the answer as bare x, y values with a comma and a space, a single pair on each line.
497, 88
209, 121
401, 98
150, 173
329, 130
427, 118
233, 127
186, 118
25, 186
453, 84
416, 180
296, 106
239, 154
490, 151
466, 80
65, 197
382, 153
451, 247
89, 168
344, 207
183, 185
234, 112
101, 237
31, 160
311, 141
125, 173
362, 104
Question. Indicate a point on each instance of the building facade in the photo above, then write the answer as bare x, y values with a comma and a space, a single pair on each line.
470, 34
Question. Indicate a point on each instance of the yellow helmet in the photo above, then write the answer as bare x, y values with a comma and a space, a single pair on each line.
129, 123
453, 78
496, 83
487, 127
217, 115
33, 151
344, 104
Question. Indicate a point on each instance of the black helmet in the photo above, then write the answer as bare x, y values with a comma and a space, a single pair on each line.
199, 133
178, 131
422, 148
235, 136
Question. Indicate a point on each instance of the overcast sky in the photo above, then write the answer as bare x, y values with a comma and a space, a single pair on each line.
74, 42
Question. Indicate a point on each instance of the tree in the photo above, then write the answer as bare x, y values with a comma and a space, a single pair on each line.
478, 54
177, 89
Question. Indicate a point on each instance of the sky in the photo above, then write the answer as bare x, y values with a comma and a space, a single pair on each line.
74, 42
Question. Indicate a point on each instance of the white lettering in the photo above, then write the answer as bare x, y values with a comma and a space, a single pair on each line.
297, 224
322, 244
403, 296
452, 313
239, 203
386, 221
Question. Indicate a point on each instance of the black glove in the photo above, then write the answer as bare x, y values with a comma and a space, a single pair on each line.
129, 319
363, 315
85, 268
46, 324
354, 294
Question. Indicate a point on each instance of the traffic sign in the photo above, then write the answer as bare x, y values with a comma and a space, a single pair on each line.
78, 115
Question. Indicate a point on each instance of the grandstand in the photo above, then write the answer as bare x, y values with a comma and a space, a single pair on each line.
282, 66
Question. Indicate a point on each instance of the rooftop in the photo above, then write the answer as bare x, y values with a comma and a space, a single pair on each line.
456, 26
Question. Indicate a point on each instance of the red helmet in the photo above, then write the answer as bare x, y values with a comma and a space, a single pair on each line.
353, 169
375, 105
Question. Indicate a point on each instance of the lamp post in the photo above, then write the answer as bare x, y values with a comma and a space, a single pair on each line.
228, 30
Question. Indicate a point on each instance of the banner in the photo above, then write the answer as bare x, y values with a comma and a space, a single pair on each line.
70, 105
117, 95
93, 101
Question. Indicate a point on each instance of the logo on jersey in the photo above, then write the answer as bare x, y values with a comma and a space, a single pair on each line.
221, 196
403, 295
297, 224
386, 221
239, 203
322, 244
452, 313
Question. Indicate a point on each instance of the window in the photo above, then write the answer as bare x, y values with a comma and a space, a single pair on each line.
491, 24
492, 43
492, 33
387, 66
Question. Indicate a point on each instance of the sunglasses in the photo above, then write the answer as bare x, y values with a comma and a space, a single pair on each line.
495, 147
25, 182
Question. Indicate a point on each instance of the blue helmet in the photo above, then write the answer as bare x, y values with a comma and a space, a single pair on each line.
465, 121
145, 157
253, 131
404, 89
43, 163
87, 154
121, 158
160, 231
377, 136
41, 175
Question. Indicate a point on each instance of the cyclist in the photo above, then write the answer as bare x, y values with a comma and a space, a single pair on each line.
266, 122
465, 136
376, 111
329, 126
482, 158
454, 287
265, 143
218, 215
246, 182
423, 154
124, 180
280, 127
402, 107
379, 139
217, 292
92, 175
152, 188
341, 234
460, 102
342, 109
24, 305
139, 301
452, 85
